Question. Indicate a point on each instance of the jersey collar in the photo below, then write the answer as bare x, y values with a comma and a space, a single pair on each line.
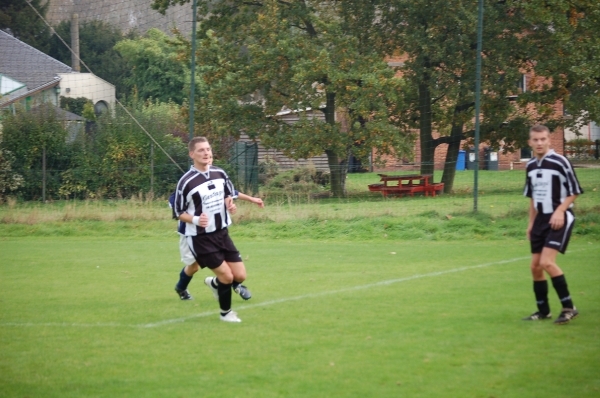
205, 173
539, 161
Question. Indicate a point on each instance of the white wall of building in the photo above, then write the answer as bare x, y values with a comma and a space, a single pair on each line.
591, 132
88, 85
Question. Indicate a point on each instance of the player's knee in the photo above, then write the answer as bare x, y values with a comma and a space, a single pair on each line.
226, 278
546, 264
239, 276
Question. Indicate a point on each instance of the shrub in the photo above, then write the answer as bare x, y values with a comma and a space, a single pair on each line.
9, 180
75, 105
305, 182
580, 148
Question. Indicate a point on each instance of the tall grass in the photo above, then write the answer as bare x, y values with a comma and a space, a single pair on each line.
502, 211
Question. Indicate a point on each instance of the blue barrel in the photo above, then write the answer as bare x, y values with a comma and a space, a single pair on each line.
460, 161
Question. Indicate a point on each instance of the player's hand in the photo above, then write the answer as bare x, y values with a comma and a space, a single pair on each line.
529, 228
203, 222
259, 202
557, 221
231, 207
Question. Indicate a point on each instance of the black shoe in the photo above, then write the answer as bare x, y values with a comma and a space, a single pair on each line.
184, 294
243, 292
537, 316
566, 315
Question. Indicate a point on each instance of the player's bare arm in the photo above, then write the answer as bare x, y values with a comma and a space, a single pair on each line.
257, 201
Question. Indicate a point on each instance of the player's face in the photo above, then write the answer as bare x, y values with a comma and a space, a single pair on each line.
539, 142
202, 154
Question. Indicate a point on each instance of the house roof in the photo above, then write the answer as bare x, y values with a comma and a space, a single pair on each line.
23, 63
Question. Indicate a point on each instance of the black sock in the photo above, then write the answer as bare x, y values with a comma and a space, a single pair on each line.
224, 297
235, 285
184, 280
540, 288
560, 285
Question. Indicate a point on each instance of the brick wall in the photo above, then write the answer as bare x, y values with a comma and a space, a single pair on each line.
506, 161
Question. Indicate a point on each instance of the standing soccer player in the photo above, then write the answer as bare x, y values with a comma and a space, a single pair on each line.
552, 187
202, 201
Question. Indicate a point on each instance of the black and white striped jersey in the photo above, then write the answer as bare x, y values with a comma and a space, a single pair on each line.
549, 181
203, 192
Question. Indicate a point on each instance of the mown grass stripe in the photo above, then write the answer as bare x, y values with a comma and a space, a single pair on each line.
265, 303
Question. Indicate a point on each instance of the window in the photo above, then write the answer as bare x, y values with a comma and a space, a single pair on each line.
522, 84
100, 107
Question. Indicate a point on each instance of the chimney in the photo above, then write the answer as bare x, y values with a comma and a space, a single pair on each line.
75, 43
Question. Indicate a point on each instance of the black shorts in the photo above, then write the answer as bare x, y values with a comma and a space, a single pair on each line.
542, 235
210, 250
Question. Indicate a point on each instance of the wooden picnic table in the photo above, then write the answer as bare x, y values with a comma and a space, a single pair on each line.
407, 184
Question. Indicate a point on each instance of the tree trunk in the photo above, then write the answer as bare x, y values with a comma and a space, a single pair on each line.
425, 129
451, 158
337, 168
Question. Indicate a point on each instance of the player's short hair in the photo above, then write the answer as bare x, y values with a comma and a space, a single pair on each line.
539, 128
194, 141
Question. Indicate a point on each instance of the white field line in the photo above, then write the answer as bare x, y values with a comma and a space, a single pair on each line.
67, 324
330, 292
266, 303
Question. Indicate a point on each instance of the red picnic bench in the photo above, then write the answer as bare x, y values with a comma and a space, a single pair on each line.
399, 185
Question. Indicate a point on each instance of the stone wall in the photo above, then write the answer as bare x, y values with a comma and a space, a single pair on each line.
125, 14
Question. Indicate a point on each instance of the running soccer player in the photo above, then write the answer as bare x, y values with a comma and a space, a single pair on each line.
189, 261
203, 200
552, 187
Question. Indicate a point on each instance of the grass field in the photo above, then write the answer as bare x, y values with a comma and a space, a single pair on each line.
361, 297
97, 317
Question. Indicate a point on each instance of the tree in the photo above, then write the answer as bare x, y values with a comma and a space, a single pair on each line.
556, 39
157, 71
262, 57
565, 38
18, 18
97, 40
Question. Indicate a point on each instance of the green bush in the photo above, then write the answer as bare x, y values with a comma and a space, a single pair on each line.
75, 105
580, 148
35, 138
304, 182
114, 159
9, 180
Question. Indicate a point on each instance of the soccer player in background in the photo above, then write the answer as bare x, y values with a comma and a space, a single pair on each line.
202, 202
552, 187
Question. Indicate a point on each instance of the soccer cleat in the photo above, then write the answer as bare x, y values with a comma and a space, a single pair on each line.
208, 282
537, 316
566, 315
243, 292
231, 316
184, 294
